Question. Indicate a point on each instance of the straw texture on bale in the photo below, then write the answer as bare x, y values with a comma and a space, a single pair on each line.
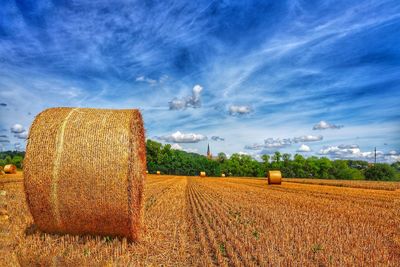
10, 168
274, 177
203, 174
69, 183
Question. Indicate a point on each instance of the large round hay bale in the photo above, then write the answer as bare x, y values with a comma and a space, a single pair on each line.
10, 168
84, 171
274, 177
202, 174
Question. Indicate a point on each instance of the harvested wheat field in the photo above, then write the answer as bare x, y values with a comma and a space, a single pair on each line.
224, 221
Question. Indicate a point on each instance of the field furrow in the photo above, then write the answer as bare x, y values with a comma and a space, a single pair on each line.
192, 221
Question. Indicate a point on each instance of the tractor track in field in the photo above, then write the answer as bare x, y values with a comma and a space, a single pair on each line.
220, 214
227, 241
200, 234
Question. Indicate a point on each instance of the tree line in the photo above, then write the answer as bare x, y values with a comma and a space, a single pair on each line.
12, 157
170, 161
177, 162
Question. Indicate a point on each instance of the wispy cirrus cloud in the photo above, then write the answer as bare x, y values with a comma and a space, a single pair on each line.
279, 66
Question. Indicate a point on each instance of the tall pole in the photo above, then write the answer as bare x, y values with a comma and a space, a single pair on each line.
375, 155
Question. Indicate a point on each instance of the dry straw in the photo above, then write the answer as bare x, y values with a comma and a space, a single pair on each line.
203, 174
84, 171
274, 177
10, 168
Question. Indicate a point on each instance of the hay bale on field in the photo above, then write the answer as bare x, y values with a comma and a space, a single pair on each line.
158, 172
202, 174
223, 175
69, 185
147, 172
274, 177
10, 169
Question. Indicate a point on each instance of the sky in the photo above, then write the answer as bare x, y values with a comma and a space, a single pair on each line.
318, 78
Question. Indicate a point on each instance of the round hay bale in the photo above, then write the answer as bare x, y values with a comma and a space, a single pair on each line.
147, 172
69, 185
10, 169
158, 172
274, 177
202, 174
223, 175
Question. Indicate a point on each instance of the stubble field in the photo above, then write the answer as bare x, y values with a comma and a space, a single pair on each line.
224, 221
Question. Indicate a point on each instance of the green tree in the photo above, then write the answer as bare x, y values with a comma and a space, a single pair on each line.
380, 171
221, 158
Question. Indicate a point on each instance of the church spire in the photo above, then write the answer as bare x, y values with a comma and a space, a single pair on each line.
209, 155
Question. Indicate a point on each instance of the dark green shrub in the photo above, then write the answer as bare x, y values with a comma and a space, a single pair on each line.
381, 172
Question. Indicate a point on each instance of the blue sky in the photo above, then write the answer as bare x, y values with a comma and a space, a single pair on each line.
257, 76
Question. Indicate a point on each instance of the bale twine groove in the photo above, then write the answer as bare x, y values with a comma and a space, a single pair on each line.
274, 177
84, 171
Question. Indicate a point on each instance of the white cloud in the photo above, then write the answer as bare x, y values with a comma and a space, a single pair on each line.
176, 147
17, 128
217, 138
304, 148
354, 152
193, 101
179, 137
323, 125
239, 110
179, 147
277, 143
23, 135
308, 138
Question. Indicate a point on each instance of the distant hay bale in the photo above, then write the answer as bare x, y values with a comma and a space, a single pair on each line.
69, 184
10, 168
147, 172
202, 174
223, 175
274, 177
158, 172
